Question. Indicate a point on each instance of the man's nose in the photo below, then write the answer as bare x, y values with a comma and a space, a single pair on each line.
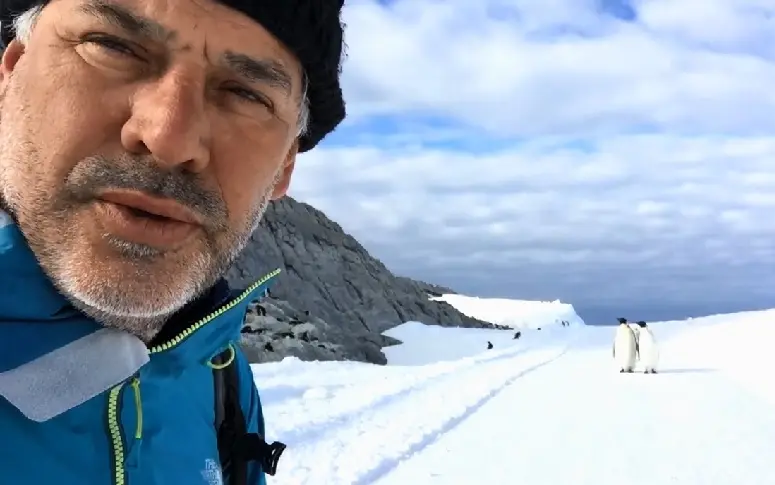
169, 121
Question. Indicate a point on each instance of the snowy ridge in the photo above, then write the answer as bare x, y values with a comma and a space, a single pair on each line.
519, 314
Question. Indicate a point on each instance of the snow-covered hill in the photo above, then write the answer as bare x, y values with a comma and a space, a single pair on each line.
547, 409
519, 314
424, 344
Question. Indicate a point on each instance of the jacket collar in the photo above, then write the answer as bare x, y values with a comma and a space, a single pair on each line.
23, 281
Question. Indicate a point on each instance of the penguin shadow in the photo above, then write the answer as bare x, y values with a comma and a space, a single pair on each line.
687, 371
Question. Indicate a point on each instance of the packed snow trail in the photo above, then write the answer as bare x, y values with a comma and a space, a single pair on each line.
361, 443
579, 421
547, 410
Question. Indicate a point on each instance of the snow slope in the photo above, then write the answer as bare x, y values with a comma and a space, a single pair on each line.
548, 410
518, 314
426, 344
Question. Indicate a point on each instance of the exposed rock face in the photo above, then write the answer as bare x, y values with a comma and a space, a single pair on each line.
284, 331
330, 282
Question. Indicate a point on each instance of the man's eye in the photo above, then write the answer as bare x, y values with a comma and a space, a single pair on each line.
111, 44
251, 96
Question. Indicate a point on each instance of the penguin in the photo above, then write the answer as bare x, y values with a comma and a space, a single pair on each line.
489, 345
648, 353
635, 331
260, 310
624, 347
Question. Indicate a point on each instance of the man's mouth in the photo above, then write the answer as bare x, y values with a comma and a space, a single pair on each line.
144, 219
144, 205
150, 215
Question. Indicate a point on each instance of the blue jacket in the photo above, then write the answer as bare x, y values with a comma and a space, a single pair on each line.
84, 405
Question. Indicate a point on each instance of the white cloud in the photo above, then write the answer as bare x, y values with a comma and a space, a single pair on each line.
641, 149
647, 202
688, 65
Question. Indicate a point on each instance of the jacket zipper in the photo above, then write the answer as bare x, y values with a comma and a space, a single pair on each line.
114, 429
209, 318
115, 394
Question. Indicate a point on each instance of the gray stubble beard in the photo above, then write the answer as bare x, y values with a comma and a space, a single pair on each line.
146, 327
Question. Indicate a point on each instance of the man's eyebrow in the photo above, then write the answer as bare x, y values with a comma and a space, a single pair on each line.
262, 71
127, 20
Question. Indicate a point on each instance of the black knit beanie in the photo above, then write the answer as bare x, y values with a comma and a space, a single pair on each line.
311, 29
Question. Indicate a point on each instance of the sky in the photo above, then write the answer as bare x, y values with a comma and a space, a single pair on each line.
618, 155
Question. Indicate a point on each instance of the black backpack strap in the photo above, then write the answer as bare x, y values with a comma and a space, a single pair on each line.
237, 447
227, 423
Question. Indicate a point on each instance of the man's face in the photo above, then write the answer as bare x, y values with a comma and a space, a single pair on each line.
139, 144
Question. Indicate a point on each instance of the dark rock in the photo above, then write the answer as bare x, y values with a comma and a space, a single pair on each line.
332, 283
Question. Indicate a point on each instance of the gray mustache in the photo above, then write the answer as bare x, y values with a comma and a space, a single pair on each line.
95, 174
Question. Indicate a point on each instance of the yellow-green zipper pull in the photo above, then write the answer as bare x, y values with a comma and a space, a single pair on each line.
133, 457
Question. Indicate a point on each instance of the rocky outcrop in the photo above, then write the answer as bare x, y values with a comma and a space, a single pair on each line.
282, 331
330, 283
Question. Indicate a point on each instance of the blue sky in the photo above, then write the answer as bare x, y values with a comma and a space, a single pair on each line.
618, 155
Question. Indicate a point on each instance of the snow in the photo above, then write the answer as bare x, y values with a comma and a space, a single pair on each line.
519, 314
426, 344
547, 409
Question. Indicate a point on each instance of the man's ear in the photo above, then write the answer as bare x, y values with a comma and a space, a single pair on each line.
11, 55
284, 178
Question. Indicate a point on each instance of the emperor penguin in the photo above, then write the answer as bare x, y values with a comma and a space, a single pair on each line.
635, 330
647, 349
624, 347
